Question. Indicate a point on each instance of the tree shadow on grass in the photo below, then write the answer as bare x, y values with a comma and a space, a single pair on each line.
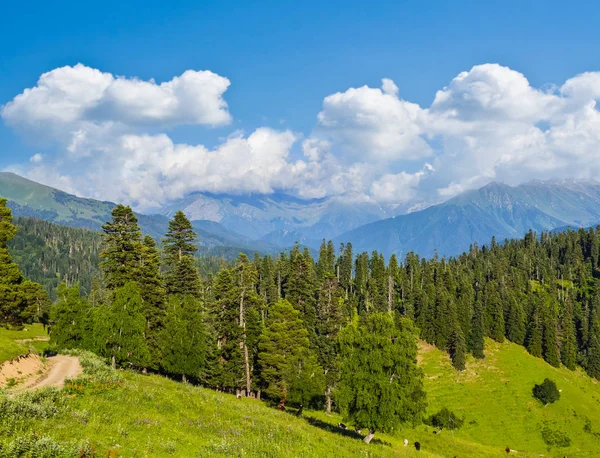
342, 432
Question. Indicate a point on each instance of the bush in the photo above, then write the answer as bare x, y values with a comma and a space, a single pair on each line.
445, 419
43, 403
547, 392
43, 447
95, 369
554, 437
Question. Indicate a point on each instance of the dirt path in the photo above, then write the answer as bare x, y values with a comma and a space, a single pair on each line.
53, 373
60, 367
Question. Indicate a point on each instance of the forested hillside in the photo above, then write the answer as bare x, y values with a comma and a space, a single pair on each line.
50, 254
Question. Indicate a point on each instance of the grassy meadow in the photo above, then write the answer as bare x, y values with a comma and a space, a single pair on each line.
127, 414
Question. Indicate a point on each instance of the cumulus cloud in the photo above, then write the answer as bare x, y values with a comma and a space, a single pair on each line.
374, 123
488, 123
68, 96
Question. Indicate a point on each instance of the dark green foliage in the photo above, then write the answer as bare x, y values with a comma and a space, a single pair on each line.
123, 328
182, 275
68, 315
381, 385
458, 349
289, 370
21, 300
121, 248
555, 437
184, 339
476, 341
50, 254
546, 392
444, 419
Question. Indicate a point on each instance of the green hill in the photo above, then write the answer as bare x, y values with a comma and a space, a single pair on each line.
149, 415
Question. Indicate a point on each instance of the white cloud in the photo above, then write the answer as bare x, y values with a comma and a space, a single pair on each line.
374, 123
487, 124
68, 96
400, 187
36, 158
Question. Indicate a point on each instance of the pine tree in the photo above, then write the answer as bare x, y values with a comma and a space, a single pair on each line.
494, 312
515, 323
301, 288
288, 368
182, 276
550, 338
122, 248
592, 365
21, 300
458, 349
184, 345
569, 337
535, 330
153, 296
124, 328
68, 318
330, 320
381, 385
476, 339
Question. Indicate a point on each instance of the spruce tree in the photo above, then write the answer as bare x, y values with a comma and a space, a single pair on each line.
68, 316
476, 339
569, 337
153, 296
302, 286
515, 322
21, 300
182, 276
122, 248
184, 345
550, 338
124, 328
288, 368
381, 385
535, 330
592, 364
458, 349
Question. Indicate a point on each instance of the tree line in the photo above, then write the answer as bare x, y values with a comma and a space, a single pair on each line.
326, 332
279, 329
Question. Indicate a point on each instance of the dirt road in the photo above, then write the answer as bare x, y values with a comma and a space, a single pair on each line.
58, 369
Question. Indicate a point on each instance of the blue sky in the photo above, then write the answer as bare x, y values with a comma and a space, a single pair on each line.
282, 60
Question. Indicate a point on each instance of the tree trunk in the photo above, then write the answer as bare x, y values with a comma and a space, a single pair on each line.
328, 400
113, 363
258, 395
183, 378
247, 362
369, 436
243, 345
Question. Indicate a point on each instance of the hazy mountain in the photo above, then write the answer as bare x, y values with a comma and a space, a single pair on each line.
475, 216
30, 199
279, 218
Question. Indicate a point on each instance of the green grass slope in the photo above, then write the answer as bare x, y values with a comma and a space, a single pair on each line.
494, 396
17, 343
151, 416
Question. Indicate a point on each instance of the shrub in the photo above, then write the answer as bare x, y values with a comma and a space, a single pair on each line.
547, 392
554, 437
445, 419
43, 403
95, 369
43, 447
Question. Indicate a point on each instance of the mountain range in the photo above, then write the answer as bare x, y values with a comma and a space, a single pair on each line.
268, 223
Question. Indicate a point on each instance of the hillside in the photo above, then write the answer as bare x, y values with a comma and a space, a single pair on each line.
154, 416
476, 216
27, 198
